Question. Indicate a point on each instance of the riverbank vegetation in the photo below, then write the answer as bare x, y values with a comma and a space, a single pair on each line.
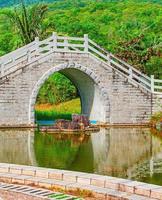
59, 111
156, 119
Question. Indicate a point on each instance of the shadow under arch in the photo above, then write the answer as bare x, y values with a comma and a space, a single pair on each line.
94, 99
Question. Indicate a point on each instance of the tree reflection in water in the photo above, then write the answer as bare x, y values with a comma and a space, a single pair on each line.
132, 153
59, 150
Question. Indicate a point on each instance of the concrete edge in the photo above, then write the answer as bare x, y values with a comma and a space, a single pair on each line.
81, 180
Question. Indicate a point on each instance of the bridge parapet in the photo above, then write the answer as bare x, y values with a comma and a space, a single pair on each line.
32, 52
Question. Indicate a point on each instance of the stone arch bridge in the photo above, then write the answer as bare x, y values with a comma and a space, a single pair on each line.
111, 91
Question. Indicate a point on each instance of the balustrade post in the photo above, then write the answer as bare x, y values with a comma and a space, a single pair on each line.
37, 46
28, 56
54, 37
86, 43
108, 59
130, 73
2, 69
152, 83
66, 44
13, 59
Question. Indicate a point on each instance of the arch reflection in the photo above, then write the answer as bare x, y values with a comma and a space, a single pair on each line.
122, 152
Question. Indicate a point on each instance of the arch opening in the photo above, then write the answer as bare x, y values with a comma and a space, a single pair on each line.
58, 98
94, 101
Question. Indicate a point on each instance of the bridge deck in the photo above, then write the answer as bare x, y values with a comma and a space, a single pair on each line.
33, 51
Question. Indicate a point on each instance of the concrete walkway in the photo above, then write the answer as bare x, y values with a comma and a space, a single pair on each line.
96, 186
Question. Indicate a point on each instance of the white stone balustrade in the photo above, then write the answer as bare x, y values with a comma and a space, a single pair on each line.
55, 43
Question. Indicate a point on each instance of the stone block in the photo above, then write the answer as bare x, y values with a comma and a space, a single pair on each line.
55, 174
4, 169
74, 187
29, 171
139, 197
15, 170
70, 177
113, 183
41, 173
33, 181
83, 180
7, 178
145, 190
60, 185
46, 183
156, 193
129, 186
19, 179
99, 181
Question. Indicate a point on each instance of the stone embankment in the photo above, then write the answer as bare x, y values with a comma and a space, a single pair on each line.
89, 185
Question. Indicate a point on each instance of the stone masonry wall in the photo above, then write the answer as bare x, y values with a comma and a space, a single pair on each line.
119, 101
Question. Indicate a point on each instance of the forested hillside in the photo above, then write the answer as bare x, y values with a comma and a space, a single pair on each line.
4, 3
131, 29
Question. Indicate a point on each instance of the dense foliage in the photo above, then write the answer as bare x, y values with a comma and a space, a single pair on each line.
27, 21
59, 89
131, 29
4, 3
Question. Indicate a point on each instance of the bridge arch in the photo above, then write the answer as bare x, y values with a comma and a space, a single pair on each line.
94, 98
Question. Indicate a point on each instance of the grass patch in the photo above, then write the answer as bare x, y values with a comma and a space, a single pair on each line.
60, 111
46, 115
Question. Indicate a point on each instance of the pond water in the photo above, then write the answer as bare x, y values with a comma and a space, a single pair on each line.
132, 153
52, 122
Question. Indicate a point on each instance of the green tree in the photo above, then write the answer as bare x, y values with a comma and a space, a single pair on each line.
56, 89
27, 20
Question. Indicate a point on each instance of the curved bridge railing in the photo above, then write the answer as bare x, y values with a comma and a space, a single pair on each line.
32, 52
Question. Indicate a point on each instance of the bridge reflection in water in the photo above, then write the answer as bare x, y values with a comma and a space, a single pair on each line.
122, 152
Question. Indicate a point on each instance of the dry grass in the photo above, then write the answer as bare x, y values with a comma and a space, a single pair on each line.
69, 106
